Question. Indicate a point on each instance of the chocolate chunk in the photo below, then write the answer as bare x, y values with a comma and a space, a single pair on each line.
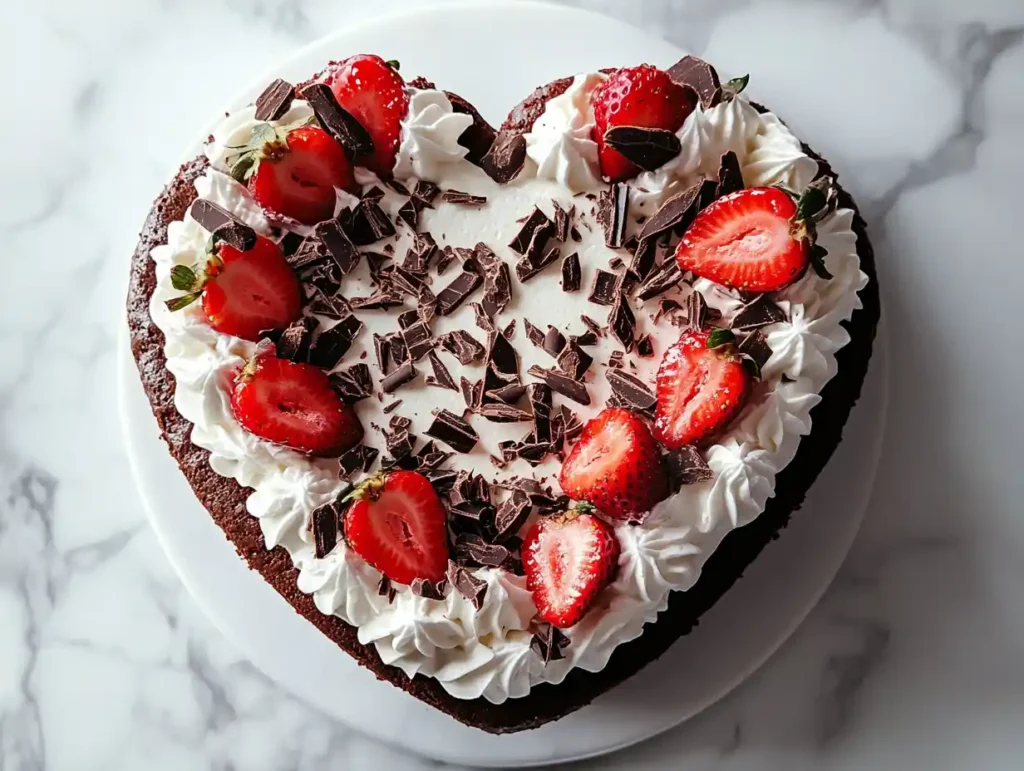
290, 242
332, 306
353, 384
403, 281
500, 412
730, 177
615, 359
409, 214
631, 390
392, 407
426, 305
533, 333
679, 210
325, 277
506, 157
397, 186
562, 220
241, 237
755, 347
661, 280
686, 466
465, 199
478, 137
510, 329
475, 550
275, 100
429, 590
529, 266
359, 458
465, 583
377, 301
696, 311
554, 342
368, 223
337, 245
708, 193
759, 312
667, 307
613, 211
592, 325
574, 234
573, 424
442, 377
648, 148
337, 121
453, 295
571, 275
385, 589
308, 253
462, 346
374, 193
604, 290
211, 216
700, 76
446, 259
540, 401
378, 263
502, 355
534, 233
645, 347
330, 345
483, 320
424, 193
453, 431
497, 288
622, 322
293, 344
417, 339
574, 361
512, 513
325, 530
398, 350
562, 383
422, 251
472, 393
402, 375
549, 642
588, 338
644, 257
441, 478
509, 393
399, 442
382, 350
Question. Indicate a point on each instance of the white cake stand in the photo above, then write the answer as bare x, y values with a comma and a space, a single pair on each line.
494, 56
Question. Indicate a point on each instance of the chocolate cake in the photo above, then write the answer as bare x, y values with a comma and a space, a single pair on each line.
503, 155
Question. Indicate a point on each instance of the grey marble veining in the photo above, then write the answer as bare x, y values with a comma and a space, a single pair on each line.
912, 660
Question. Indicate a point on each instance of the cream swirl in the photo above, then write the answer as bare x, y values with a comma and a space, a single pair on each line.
430, 135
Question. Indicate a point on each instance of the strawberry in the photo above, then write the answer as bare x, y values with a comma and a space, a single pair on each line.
397, 524
295, 405
374, 93
615, 465
702, 384
244, 293
568, 560
294, 172
636, 96
759, 239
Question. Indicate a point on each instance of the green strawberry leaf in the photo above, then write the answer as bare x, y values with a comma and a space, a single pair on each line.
735, 86
720, 337
183, 278
243, 167
181, 302
393, 64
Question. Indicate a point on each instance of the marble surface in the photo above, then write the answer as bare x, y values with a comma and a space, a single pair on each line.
911, 661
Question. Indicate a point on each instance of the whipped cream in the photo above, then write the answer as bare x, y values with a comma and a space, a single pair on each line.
486, 652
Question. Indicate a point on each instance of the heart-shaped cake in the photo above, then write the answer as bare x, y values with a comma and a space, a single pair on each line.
502, 413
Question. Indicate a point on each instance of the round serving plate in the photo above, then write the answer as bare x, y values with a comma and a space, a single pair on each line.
525, 44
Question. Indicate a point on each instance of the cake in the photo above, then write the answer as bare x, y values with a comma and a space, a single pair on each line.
503, 412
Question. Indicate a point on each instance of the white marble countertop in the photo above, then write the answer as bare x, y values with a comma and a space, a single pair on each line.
912, 660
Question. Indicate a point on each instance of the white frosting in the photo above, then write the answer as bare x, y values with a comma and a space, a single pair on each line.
559, 143
486, 652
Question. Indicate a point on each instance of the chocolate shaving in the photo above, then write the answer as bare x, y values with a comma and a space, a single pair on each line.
453, 431
483, 320
554, 342
293, 343
211, 216
465, 199
631, 390
679, 210
275, 100
539, 395
533, 333
661, 280
337, 121
473, 549
730, 177
534, 233
465, 583
502, 355
562, 219
330, 345
353, 384
573, 424
696, 311
613, 210
382, 350
462, 346
510, 329
500, 412
648, 148
759, 312
571, 274
472, 393
428, 590
563, 384
497, 288
574, 361
442, 377
645, 347
509, 393
615, 359
512, 513
604, 289
592, 325
241, 237
644, 257
445, 260
453, 295
528, 266
700, 76
506, 157
402, 375
392, 407
622, 322
686, 466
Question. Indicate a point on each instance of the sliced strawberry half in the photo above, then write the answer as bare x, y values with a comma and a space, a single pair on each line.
615, 465
294, 405
243, 292
294, 172
701, 386
374, 93
759, 239
641, 96
568, 559
397, 524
